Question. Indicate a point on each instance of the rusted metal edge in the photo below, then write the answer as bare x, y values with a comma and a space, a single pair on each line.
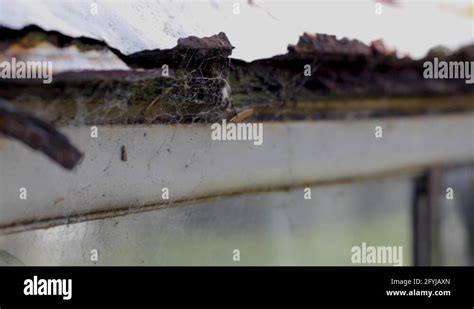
321, 68
338, 69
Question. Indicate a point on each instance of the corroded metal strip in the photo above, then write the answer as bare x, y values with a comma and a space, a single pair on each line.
202, 84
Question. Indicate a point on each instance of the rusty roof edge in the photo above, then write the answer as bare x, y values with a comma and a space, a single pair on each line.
310, 45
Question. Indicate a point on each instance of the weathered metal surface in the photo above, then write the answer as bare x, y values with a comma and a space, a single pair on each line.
133, 26
321, 68
184, 159
201, 84
268, 228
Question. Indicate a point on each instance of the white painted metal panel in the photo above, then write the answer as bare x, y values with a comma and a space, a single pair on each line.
268, 228
184, 159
